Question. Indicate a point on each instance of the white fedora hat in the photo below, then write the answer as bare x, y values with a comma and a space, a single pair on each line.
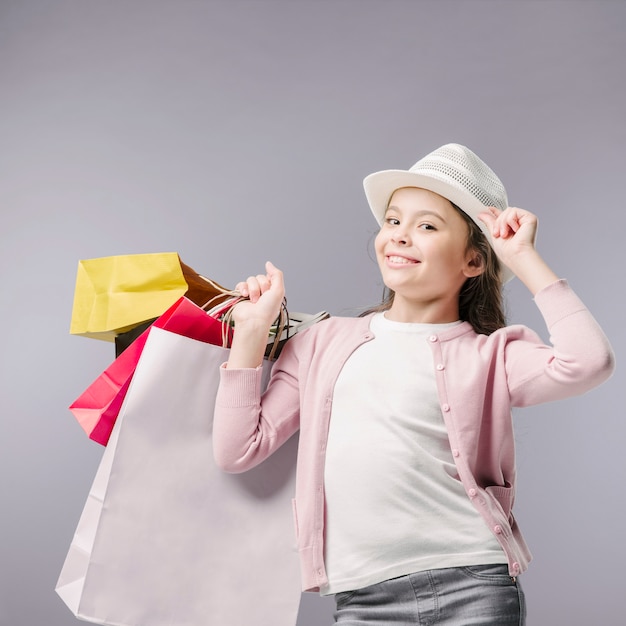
452, 171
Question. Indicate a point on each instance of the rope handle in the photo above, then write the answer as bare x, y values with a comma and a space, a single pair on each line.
280, 325
223, 311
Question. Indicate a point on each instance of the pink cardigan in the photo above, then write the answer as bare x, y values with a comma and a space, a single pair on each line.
479, 379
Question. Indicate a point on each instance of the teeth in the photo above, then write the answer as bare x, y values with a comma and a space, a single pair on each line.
400, 259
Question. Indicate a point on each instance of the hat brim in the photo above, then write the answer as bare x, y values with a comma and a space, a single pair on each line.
379, 188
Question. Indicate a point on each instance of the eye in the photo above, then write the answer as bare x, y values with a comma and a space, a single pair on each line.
427, 226
392, 221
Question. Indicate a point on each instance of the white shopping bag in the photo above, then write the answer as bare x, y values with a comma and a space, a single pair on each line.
168, 539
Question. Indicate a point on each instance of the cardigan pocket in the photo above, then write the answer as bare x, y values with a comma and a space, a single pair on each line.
503, 496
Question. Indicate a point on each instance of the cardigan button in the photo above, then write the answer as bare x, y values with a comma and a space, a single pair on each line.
432, 338
497, 529
472, 492
445, 408
440, 366
455, 453
515, 567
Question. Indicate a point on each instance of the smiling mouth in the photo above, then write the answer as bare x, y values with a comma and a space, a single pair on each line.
400, 260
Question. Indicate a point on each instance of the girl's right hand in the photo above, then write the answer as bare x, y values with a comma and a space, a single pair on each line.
265, 293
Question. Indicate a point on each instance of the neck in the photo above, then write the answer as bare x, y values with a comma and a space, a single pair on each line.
435, 312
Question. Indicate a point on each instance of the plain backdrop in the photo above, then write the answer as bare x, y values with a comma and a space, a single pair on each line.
237, 131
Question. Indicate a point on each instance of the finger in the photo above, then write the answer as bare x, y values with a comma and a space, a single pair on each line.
508, 226
258, 285
263, 282
490, 217
242, 288
515, 219
487, 218
274, 275
252, 289
501, 226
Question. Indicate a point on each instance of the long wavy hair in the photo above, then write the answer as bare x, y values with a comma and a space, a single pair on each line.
480, 299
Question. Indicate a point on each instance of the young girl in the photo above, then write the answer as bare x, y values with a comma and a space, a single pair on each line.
406, 469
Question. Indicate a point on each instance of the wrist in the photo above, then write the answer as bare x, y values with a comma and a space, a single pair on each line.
252, 326
248, 344
530, 267
522, 259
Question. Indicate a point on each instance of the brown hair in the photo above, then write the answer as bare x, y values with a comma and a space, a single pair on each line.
480, 298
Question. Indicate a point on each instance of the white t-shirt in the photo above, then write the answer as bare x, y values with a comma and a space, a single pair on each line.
394, 502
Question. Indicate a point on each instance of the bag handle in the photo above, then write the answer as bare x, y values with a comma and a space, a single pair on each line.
280, 325
221, 292
223, 311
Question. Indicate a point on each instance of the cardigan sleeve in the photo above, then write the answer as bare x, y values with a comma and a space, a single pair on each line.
248, 426
578, 358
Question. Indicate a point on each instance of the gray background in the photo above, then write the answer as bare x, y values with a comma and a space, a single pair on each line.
232, 132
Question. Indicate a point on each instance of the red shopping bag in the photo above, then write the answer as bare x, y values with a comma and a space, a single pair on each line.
96, 409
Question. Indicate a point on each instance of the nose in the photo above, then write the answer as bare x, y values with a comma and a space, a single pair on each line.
400, 236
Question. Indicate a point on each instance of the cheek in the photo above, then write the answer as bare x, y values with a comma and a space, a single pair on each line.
379, 243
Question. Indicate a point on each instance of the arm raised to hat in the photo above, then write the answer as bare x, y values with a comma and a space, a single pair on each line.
514, 232
254, 317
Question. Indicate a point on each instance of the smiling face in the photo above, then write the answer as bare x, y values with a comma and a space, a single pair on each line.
422, 252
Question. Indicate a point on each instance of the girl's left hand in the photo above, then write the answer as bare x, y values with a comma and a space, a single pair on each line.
513, 231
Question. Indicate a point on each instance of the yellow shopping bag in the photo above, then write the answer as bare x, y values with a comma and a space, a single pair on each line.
116, 293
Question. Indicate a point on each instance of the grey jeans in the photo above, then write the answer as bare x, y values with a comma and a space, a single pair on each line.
477, 595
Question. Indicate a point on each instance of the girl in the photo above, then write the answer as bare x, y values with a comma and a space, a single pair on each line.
406, 469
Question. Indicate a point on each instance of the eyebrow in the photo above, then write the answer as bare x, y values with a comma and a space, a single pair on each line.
421, 213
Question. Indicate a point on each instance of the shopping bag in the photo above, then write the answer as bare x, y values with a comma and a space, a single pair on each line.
166, 537
115, 293
98, 406
125, 339
297, 322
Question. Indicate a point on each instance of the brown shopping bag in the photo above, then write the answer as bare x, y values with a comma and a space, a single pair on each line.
166, 537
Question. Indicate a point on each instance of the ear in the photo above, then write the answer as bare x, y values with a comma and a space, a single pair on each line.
474, 265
